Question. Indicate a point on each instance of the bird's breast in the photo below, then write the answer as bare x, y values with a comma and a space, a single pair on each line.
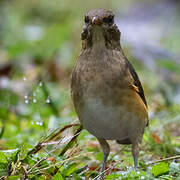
106, 105
109, 119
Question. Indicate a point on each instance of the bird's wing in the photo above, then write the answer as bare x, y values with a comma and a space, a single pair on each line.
137, 84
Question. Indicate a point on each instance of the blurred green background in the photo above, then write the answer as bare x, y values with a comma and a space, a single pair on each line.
39, 43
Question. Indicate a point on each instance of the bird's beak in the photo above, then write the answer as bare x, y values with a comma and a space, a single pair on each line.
96, 21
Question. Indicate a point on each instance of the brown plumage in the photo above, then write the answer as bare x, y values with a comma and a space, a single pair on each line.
106, 91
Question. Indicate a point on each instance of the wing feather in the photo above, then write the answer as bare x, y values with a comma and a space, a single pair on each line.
137, 84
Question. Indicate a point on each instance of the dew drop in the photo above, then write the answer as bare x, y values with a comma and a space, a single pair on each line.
48, 100
26, 101
138, 172
40, 84
142, 177
25, 97
40, 123
34, 100
24, 78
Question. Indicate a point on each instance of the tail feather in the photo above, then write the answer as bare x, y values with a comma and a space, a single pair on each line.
124, 141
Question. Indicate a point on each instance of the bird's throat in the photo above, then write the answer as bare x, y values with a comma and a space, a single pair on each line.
98, 40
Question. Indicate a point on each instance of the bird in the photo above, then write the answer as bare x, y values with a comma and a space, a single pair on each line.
106, 92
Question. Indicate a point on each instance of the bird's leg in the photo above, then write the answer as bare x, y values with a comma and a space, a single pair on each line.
135, 152
106, 149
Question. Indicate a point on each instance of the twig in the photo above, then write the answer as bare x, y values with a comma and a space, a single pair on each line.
60, 131
40, 145
165, 159
58, 142
36, 164
100, 174
71, 141
61, 162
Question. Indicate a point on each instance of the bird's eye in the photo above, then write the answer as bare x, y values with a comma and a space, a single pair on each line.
109, 20
86, 19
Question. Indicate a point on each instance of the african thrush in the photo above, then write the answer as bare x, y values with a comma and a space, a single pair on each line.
107, 94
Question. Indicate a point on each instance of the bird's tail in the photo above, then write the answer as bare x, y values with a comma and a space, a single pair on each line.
124, 141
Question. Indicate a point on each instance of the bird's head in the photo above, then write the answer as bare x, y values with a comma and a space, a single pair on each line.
100, 30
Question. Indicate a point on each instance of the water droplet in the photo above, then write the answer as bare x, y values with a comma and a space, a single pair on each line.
40, 84
39, 123
142, 177
138, 172
24, 78
32, 122
25, 97
48, 100
26, 101
34, 100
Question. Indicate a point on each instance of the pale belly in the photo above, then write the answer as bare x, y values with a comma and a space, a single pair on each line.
108, 122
